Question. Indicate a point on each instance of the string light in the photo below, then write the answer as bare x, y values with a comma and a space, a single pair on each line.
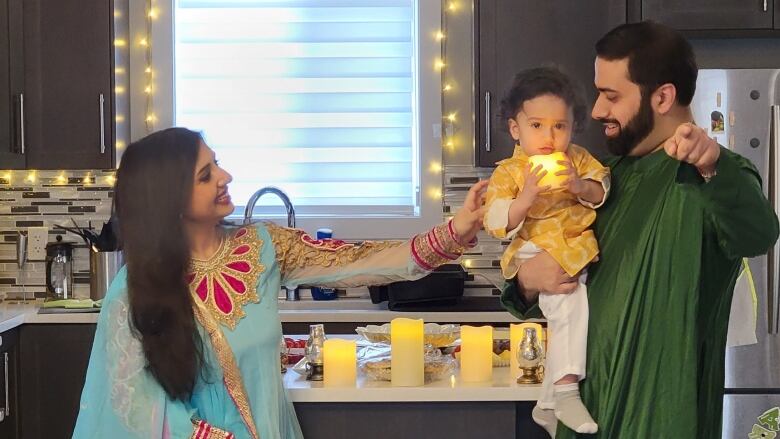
151, 14
439, 35
30, 177
453, 6
119, 118
447, 87
439, 64
450, 117
435, 167
110, 180
120, 42
119, 90
62, 179
435, 193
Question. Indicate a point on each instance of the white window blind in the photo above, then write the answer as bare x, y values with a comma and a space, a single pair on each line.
316, 97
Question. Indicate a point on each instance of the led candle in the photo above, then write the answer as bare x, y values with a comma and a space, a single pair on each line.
339, 362
406, 347
550, 164
476, 353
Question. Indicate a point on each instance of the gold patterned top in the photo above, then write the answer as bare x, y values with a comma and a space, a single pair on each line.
228, 280
557, 222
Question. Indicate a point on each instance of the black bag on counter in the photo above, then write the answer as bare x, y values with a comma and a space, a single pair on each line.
442, 287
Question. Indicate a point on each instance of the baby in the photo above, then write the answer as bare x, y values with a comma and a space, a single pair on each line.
542, 109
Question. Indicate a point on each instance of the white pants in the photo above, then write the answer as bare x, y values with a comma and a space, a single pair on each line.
567, 332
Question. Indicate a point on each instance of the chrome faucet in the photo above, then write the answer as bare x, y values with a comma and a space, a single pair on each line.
250, 205
290, 293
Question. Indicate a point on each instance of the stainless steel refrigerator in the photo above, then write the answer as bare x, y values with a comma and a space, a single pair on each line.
741, 109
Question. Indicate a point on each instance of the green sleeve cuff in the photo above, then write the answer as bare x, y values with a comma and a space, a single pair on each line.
514, 302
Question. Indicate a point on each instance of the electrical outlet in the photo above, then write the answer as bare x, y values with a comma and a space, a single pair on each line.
37, 237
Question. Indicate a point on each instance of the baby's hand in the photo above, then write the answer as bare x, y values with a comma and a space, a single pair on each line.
531, 187
574, 184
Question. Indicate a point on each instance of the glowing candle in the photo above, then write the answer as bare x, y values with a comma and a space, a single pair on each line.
339, 362
515, 335
476, 353
550, 164
406, 347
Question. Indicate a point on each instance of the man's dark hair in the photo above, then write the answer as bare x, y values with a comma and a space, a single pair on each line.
540, 81
656, 55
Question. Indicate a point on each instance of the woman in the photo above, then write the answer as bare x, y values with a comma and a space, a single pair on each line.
187, 343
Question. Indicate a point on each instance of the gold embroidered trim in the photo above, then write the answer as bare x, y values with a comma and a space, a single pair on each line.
232, 375
295, 249
205, 275
203, 430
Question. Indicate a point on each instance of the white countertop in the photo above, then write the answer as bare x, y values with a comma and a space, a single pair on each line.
304, 311
13, 315
500, 388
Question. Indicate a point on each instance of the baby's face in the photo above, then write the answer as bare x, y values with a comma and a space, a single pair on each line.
543, 125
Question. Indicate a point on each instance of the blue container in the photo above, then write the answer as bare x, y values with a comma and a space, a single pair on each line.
318, 293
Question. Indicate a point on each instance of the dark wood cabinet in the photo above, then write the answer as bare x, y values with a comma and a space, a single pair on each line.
711, 14
54, 359
9, 389
520, 34
56, 84
11, 85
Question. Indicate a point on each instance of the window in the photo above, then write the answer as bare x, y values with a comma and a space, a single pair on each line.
324, 99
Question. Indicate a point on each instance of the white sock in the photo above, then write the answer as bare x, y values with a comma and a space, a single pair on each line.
570, 410
546, 419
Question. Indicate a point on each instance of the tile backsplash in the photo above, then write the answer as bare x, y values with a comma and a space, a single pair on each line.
49, 198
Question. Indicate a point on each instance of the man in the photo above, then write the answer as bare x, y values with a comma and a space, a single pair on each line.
681, 213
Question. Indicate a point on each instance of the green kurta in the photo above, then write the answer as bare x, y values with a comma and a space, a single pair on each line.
660, 295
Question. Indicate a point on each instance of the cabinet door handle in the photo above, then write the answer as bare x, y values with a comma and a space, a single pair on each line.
487, 121
6, 411
19, 121
102, 126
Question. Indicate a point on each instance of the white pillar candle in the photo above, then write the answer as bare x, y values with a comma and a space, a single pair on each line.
476, 353
407, 366
339, 359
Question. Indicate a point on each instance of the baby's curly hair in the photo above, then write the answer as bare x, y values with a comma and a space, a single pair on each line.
540, 81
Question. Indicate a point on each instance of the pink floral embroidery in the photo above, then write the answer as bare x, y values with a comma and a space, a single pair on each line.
227, 281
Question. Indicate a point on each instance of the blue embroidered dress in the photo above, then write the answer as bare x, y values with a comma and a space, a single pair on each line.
234, 294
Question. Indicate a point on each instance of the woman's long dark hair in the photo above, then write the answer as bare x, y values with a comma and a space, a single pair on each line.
153, 189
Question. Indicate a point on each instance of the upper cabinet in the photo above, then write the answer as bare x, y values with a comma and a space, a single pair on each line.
520, 34
712, 14
57, 110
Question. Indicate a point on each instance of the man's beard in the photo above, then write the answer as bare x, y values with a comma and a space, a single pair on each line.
635, 131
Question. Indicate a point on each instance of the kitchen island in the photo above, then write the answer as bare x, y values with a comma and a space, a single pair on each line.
446, 408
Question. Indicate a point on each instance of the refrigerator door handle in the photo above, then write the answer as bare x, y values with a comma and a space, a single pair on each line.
774, 255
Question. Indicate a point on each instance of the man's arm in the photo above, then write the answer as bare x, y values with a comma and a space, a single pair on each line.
540, 273
745, 223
